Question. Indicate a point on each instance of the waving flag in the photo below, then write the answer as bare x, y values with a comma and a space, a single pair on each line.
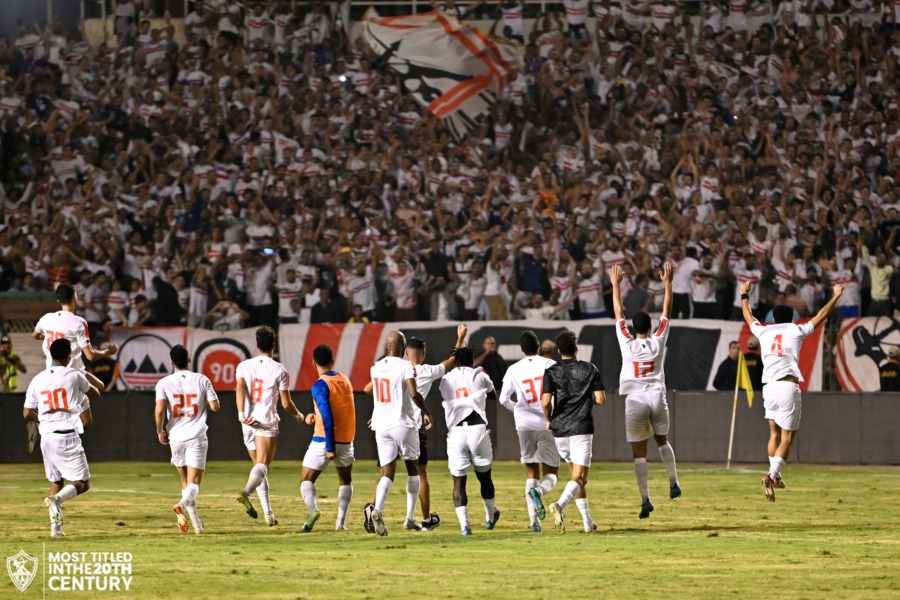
455, 71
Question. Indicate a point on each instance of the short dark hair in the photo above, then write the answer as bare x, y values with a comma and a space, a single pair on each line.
265, 338
464, 357
323, 355
783, 313
65, 293
179, 356
415, 343
529, 343
61, 349
567, 342
641, 322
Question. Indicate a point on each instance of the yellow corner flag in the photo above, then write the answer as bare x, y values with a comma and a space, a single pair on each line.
743, 379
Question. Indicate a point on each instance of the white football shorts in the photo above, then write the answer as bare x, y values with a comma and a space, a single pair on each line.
64, 457
538, 446
576, 449
646, 414
469, 445
316, 459
397, 443
782, 402
190, 453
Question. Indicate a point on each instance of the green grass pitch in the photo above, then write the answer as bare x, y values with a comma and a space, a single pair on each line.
835, 532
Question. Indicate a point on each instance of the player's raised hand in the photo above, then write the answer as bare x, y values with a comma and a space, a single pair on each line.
616, 274
668, 273
427, 420
838, 290
747, 286
112, 349
311, 419
461, 331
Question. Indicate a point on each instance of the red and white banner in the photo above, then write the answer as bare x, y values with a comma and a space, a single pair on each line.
862, 349
455, 71
144, 354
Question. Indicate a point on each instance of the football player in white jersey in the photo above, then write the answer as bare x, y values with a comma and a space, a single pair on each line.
396, 434
58, 400
64, 323
260, 383
524, 379
780, 348
426, 375
643, 382
182, 401
464, 391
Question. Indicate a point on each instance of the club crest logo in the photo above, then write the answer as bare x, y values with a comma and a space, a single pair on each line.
22, 568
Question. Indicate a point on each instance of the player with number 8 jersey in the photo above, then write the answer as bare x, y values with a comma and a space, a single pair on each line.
261, 382
182, 401
525, 380
643, 382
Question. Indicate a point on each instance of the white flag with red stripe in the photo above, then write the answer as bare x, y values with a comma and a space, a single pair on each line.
455, 71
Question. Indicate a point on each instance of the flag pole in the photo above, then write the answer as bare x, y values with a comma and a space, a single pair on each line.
733, 416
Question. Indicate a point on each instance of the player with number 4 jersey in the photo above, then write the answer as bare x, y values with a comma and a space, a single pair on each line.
525, 381
183, 400
58, 400
261, 383
780, 346
643, 382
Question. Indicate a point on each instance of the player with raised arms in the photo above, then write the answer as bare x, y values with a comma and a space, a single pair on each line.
261, 383
643, 382
58, 399
396, 434
525, 380
571, 388
335, 430
780, 347
183, 400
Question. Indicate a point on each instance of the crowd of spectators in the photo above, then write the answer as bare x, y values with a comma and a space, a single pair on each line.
269, 170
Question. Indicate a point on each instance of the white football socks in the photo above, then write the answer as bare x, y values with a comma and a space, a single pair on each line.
776, 464
547, 483
67, 493
667, 454
569, 493
582, 504
345, 494
412, 496
462, 513
257, 476
381, 492
641, 475
262, 491
489, 505
308, 491
530, 483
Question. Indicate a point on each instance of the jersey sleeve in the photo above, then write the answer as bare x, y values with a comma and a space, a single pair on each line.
806, 328
429, 373
662, 332
206, 387
40, 328
756, 328
486, 382
284, 383
240, 372
82, 385
82, 338
548, 384
622, 333
160, 393
596, 380
321, 394
31, 395
506, 392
